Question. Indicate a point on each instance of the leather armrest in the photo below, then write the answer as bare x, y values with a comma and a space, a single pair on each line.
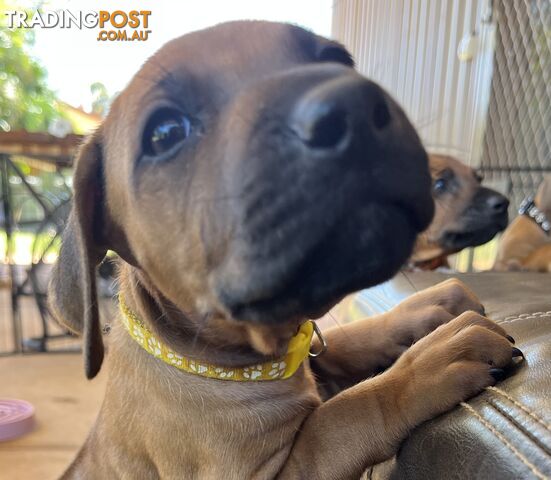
505, 432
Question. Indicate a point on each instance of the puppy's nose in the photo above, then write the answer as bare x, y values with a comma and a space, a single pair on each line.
323, 118
497, 203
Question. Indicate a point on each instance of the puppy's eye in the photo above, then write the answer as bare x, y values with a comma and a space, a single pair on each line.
165, 130
440, 185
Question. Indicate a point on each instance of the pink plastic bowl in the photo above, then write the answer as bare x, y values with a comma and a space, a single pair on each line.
16, 418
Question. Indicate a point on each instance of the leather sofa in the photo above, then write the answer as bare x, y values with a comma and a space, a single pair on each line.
505, 432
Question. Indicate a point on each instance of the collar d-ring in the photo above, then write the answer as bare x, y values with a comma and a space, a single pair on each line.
322, 340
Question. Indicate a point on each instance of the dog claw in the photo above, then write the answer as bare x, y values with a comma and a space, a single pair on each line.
511, 339
516, 353
497, 373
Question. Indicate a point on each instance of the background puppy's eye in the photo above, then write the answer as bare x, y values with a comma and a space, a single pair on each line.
440, 185
165, 130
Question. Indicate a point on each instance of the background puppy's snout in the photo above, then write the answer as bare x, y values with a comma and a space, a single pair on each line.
326, 116
496, 203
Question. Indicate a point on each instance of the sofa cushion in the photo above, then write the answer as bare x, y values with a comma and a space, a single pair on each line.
505, 432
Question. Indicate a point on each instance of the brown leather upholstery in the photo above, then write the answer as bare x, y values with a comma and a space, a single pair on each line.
504, 433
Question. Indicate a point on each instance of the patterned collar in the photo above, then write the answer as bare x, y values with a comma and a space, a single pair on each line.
297, 351
529, 209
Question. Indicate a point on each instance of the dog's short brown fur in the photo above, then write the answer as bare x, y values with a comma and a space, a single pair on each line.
466, 214
524, 245
234, 235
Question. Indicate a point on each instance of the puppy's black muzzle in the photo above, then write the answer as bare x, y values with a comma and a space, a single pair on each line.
333, 187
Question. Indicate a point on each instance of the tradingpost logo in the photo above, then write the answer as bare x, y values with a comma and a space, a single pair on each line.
115, 26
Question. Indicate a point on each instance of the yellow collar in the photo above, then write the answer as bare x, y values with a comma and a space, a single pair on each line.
297, 351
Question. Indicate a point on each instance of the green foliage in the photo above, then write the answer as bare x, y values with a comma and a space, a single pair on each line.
102, 100
26, 102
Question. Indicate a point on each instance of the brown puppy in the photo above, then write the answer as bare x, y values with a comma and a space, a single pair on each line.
525, 245
466, 214
230, 178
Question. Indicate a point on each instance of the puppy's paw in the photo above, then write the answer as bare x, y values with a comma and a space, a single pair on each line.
452, 295
425, 311
456, 297
453, 363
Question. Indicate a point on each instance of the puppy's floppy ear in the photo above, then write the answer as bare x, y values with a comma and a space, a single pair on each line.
72, 290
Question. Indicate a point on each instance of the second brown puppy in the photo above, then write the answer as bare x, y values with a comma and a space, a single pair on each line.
466, 213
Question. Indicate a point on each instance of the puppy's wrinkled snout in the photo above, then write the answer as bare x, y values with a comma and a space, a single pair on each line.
327, 169
326, 117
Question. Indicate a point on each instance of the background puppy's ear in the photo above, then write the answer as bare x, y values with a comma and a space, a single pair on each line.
72, 290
